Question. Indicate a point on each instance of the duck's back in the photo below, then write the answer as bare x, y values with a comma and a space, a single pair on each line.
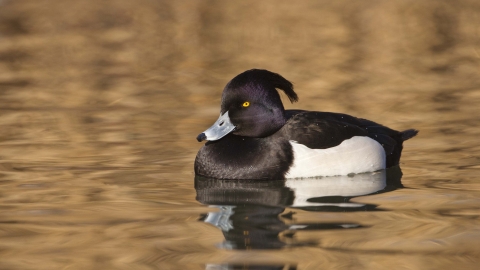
324, 130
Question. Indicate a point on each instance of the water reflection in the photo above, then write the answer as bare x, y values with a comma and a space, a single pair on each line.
249, 213
249, 267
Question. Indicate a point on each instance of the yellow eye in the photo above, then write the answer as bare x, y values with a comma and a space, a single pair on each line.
246, 104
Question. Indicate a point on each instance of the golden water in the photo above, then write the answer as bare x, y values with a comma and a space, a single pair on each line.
101, 101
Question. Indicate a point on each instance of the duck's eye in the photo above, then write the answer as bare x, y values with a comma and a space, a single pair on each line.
246, 104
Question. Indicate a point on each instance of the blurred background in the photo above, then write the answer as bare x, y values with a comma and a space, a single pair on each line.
101, 101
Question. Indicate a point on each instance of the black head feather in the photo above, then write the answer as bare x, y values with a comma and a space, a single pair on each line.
265, 77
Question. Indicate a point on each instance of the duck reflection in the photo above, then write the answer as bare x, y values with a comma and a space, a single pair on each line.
249, 267
250, 212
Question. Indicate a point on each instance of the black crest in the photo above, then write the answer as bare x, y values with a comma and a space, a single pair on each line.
262, 76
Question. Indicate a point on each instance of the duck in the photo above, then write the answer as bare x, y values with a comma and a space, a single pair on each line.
255, 138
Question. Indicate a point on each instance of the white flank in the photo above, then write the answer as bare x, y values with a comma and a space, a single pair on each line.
355, 155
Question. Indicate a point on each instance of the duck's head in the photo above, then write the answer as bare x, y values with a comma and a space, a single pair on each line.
251, 106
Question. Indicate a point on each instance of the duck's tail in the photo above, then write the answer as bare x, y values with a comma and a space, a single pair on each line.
408, 134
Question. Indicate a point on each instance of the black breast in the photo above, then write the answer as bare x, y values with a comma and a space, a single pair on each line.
236, 157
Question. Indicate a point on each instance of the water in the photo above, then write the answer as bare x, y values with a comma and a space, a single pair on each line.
100, 104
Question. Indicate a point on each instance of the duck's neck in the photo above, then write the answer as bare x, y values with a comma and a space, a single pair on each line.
275, 123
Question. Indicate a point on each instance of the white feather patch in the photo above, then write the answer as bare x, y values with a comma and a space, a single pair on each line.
355, 155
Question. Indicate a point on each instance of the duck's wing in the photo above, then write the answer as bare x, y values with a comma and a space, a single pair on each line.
321, 130
389, 139
318, 131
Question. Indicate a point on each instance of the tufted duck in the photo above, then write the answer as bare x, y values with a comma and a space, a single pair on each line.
256, 138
